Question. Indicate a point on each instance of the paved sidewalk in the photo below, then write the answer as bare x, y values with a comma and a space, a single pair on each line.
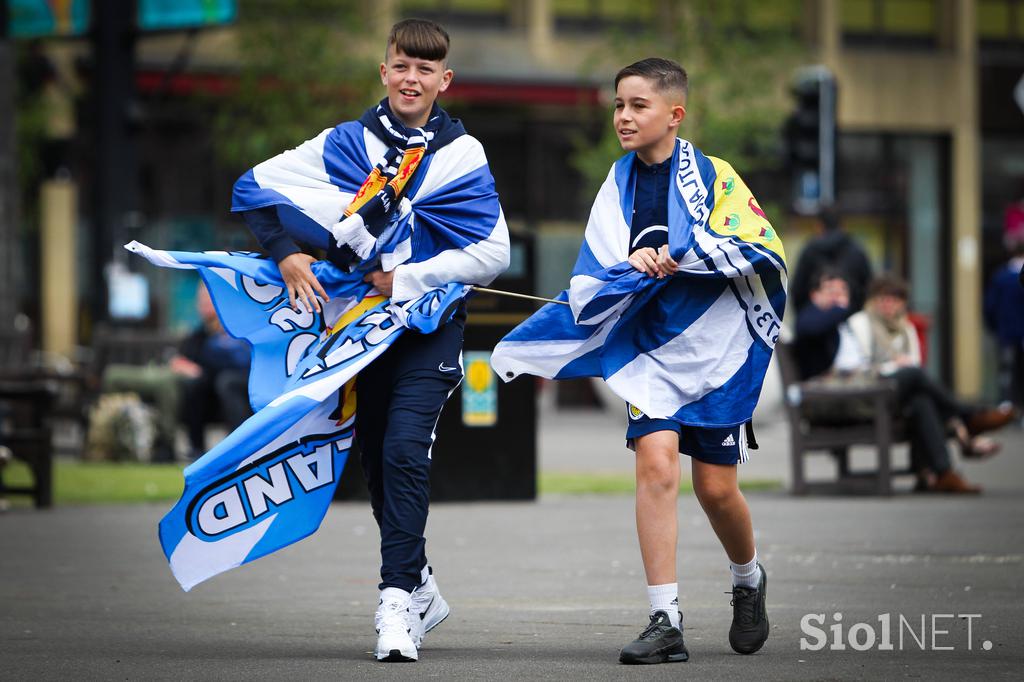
546, 590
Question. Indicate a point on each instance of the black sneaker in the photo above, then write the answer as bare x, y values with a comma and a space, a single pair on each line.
658, 643
749, 629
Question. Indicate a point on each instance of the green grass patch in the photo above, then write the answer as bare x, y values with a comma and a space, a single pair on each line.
103, 482
126, 483
585, 483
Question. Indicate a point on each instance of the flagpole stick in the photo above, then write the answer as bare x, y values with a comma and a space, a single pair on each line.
514, 295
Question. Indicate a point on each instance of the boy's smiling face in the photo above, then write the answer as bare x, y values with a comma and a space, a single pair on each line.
646, 120
413, 84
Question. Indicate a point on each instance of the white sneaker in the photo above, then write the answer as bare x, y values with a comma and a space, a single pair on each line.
427, 610
392, 622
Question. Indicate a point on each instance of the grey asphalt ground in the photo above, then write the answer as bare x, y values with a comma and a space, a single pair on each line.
547, 590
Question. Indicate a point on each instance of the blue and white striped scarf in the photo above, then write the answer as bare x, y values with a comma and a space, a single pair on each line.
449, 204
694, 347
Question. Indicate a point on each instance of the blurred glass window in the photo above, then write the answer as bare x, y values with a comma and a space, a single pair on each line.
994, 19
857, 15
890, 23
598, 14
782, 15
909, 17
483, 13
1000, 21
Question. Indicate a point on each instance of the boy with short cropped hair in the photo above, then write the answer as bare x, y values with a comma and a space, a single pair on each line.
428, 169
682, 280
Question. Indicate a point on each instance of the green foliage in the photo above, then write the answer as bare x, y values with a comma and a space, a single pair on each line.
739, 80
306, 65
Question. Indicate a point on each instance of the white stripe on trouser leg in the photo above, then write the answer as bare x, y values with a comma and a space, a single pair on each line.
433, 432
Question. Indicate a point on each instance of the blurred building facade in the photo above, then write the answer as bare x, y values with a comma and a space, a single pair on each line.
930, 147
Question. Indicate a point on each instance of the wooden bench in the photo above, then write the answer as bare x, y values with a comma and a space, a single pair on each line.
25, 430
131, 347
810, 432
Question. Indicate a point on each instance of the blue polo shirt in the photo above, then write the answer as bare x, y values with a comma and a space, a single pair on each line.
650, 205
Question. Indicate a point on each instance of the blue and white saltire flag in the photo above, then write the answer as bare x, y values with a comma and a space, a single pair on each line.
694, 347
269, 483
448, 220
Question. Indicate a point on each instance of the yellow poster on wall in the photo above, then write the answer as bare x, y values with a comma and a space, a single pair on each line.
479, 390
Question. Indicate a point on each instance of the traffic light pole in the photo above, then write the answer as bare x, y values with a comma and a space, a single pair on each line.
827, 139
811, 138
116, 191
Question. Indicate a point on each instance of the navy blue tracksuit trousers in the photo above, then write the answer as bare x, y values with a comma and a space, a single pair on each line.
399, 398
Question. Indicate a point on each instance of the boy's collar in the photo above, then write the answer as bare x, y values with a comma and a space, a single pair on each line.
440, 128
661, 166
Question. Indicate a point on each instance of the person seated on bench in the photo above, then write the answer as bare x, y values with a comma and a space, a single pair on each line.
215, 369
818, 322
883, 342
880, 342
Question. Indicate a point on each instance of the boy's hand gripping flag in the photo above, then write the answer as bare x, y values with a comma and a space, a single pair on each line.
269, 482
693, 347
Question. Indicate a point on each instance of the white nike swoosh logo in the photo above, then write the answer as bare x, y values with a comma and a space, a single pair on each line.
446, 369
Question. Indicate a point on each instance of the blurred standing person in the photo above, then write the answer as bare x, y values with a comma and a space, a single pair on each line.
835, 249
1004, 309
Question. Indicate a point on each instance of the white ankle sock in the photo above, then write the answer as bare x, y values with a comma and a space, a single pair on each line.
665, 598
746, 575
425, 574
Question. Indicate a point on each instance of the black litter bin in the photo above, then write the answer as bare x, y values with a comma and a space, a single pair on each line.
486, 447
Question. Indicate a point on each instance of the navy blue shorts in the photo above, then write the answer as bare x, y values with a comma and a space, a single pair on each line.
715, 445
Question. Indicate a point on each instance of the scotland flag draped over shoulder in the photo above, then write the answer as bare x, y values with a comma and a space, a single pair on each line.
448, 212
269, 483
694, 347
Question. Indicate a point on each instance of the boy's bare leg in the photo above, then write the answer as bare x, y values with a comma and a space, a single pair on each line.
657, 489
719, 494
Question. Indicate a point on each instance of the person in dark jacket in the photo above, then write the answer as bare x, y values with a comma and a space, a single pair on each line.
1004, 317
836, 250
818, 321
215, 372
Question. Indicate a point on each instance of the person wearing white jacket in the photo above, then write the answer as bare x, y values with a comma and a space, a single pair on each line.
881, 341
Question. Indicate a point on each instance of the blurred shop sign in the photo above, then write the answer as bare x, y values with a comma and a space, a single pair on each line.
68, 18
41, 18
162, 15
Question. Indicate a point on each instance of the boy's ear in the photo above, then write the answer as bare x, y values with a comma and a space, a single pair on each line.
678, 114
383, 73
446, 79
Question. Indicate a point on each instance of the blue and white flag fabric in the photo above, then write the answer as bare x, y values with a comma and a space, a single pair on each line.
694, 347
447, 225
269, 482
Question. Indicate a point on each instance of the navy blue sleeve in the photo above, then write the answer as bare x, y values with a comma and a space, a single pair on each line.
813, 321
267, 228
272, 236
